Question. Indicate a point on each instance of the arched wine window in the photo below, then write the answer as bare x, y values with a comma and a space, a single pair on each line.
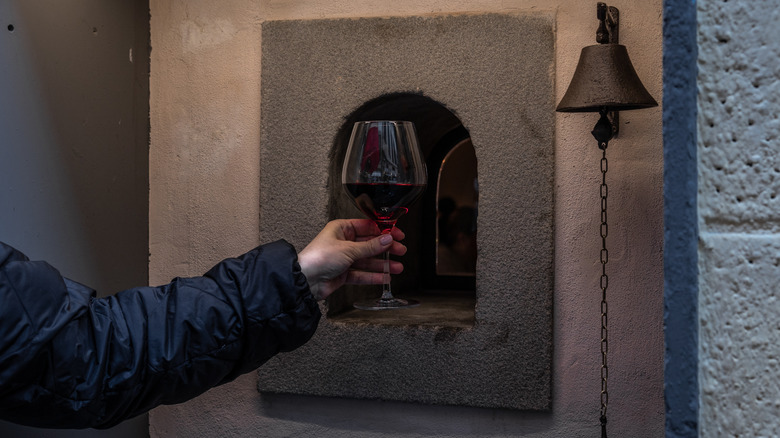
440, 266
450, 258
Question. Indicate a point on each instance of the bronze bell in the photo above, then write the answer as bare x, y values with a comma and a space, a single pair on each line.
605, 78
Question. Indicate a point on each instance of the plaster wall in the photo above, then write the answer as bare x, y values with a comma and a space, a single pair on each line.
681, 218
74, 149
204, 178
739, 217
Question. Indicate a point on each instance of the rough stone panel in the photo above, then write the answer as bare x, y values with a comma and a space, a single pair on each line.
495, 73
739, 335
739, 124
739, 179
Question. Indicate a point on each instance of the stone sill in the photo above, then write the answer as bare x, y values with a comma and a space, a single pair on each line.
435, 310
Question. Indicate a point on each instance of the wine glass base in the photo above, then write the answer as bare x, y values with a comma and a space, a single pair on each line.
380, 304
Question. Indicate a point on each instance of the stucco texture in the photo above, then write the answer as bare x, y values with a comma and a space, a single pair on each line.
205, 187
739, 179
494, 71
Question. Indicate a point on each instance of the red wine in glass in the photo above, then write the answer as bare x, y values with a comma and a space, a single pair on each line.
384, 174
384, 203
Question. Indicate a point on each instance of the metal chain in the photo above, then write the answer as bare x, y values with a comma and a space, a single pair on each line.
604, 283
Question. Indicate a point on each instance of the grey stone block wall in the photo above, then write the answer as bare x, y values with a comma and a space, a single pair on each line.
739, 180
495, 73
740, 332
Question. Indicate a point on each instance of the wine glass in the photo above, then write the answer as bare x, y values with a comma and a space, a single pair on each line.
384, 173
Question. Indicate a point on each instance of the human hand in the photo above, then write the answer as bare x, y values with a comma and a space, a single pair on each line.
342, 253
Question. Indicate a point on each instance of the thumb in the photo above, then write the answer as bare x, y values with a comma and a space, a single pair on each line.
373, 247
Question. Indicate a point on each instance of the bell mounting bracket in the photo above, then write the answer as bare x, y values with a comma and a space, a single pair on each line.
608, 33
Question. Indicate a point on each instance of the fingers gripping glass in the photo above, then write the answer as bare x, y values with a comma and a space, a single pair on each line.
384, 173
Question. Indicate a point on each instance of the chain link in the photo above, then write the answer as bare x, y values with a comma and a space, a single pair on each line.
604, 283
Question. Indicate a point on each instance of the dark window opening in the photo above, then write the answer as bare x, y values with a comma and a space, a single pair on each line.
440, 266
451, 214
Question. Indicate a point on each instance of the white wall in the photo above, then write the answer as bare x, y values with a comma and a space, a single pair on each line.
74, 152
739, 217
205, 103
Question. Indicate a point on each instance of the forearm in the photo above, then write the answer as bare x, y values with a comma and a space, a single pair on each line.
122, 355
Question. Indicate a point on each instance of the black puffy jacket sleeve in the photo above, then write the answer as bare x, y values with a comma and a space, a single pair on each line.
71, 360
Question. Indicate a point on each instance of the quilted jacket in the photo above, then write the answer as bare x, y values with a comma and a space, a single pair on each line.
71, 360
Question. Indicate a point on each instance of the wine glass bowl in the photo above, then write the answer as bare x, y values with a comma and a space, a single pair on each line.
384, 174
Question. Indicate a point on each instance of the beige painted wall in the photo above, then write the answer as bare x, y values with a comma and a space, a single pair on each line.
205, 105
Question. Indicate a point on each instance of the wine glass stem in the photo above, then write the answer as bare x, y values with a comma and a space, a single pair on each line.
387, 295
386, 227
